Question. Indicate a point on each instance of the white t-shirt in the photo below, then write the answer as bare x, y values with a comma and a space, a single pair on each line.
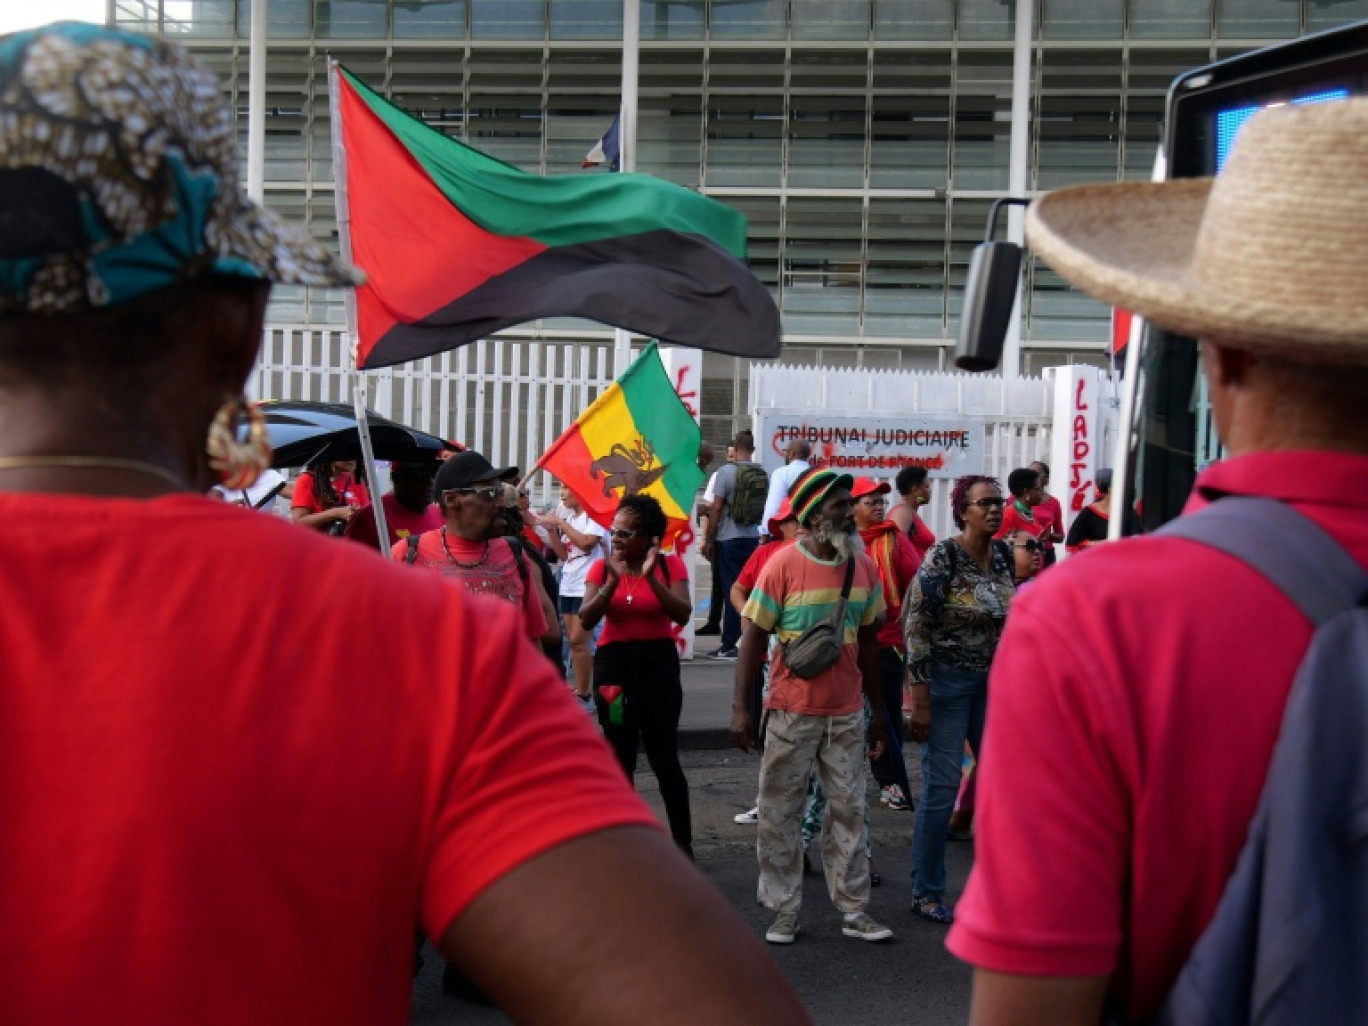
709, 493
780, 483
577, 560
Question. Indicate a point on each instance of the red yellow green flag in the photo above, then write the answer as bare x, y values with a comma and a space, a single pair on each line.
635, 437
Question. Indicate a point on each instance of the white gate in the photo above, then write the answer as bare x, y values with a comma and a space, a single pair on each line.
1017, 412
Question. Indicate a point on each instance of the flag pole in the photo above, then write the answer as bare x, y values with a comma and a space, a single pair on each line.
256, 104
349, 299
627, 138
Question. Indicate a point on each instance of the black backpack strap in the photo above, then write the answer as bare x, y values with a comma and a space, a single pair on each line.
1294, 553
411, 555
849, 578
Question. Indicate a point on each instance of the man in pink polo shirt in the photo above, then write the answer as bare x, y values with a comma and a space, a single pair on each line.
1138, 692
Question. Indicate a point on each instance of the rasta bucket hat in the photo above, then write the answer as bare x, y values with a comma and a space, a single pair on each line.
1269, 256
118, 177
807, 494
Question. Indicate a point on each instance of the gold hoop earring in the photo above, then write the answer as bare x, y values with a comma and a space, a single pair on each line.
238, 464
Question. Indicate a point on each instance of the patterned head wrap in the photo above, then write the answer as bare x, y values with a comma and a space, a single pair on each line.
118, 177
809, 491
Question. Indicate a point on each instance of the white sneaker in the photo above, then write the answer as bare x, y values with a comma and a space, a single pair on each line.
863, 927
784, 929
586, 702
750, 818
893, 797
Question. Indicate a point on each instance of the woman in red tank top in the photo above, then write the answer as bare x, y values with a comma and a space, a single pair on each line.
640, 594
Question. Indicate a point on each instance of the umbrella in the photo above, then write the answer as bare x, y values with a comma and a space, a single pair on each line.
301, 432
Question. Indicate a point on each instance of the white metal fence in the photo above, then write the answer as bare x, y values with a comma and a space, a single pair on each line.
511, 399
1017, 411
507, 399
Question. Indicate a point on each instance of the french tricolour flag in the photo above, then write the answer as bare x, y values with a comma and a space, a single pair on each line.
606, 150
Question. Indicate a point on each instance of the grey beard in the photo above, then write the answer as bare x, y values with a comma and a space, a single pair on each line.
845, 540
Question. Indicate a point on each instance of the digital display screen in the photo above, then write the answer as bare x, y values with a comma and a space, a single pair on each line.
1229, 122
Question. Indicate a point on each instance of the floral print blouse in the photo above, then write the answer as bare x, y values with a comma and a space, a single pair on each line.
954, 612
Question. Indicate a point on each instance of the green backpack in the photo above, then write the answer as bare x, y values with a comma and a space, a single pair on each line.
748, 494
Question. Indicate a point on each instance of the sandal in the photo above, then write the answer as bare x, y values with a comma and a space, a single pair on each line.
932, 909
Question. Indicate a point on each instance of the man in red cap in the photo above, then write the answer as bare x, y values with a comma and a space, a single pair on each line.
897, 561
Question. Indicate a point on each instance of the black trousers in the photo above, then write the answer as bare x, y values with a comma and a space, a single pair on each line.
648, 673
714, 620
891, 767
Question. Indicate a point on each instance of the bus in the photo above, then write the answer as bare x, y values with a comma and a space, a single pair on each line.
1167, 436
1171, 436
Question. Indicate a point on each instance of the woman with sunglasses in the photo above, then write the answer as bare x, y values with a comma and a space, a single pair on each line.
1028, 556
640, 593
952, 620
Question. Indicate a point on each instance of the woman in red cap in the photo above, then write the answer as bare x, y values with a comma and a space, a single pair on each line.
897, 560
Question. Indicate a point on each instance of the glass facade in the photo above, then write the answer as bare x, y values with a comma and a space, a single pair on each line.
863, 139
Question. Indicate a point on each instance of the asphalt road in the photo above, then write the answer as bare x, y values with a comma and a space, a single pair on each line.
910, 980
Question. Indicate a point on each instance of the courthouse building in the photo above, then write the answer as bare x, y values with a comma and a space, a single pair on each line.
863, 139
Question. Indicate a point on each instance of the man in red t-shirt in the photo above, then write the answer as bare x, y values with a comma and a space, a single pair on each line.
409, 508
469, 492
1138, 692
239, 762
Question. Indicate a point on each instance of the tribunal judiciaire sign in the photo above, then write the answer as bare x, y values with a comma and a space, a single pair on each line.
875, 446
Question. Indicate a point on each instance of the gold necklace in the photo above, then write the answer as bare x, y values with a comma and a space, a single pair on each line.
91, 463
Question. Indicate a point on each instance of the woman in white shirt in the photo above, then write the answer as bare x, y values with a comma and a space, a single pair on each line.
582, 540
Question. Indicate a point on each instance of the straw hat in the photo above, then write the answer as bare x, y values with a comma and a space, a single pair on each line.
1272, 255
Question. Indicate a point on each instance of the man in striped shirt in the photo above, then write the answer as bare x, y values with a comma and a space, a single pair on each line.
816, 723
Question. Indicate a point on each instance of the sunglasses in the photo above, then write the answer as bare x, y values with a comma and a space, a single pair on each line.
1030, 546
486, 492
988, 503
618, 534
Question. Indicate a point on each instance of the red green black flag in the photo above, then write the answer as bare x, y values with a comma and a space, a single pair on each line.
456, 245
